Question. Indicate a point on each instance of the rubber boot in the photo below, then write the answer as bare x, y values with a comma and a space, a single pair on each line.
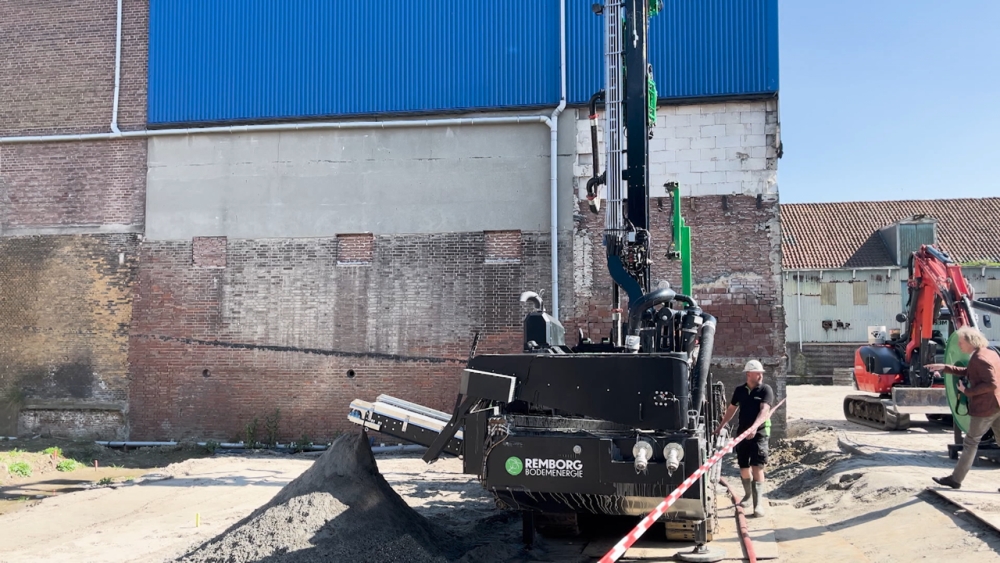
759, 502
747, 494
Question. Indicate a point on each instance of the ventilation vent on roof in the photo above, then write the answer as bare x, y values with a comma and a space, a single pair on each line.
906, 237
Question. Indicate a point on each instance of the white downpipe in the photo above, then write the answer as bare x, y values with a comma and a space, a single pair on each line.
118, 69
554, 160
798, 297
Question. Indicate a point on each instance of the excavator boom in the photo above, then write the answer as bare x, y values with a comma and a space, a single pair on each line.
893, 371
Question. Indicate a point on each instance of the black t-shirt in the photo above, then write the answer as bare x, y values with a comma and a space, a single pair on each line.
749, 403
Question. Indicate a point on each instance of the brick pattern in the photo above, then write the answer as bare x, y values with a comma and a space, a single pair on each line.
503, 246
77, 424
355, 249
65, 306
58, 66
73, 184
710, 149
208, 252
281, 325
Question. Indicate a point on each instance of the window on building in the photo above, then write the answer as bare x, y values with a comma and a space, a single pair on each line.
860, 292
827, 293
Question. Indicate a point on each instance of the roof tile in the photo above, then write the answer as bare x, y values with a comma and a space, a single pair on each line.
845, 235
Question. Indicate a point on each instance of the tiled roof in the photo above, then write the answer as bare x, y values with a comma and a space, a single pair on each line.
845, 235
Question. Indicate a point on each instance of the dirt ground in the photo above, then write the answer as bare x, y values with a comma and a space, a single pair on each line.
840, 493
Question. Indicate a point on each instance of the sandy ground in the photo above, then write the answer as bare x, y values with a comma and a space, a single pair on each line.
871, 505
877, 502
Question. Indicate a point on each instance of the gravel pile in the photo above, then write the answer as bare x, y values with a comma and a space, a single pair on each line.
342, 509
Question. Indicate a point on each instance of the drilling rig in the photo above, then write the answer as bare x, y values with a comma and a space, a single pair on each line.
608, 428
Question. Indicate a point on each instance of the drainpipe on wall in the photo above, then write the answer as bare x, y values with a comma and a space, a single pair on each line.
118, 68
798, 297
554, 160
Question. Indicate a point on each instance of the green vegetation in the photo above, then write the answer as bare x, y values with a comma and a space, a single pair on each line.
54, 451
68, 465
20, 469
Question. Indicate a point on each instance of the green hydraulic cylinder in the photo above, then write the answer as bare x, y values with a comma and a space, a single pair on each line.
682, 241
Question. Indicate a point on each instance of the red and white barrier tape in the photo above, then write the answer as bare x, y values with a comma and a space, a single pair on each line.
622, 546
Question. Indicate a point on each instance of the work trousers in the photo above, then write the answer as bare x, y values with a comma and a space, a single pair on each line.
978, 425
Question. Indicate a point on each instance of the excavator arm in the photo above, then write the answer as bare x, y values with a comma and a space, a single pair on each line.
935, 282
894, 371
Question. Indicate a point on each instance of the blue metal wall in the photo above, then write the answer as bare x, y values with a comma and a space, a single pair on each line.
698, 49
239, 60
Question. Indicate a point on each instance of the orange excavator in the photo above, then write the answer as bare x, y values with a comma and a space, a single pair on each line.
891, 367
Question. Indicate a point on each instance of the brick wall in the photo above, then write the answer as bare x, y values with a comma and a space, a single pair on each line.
65, 308
288, 325
57, 70
88, 185
57, 77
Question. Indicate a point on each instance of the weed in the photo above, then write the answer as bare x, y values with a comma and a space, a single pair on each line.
211, 446
301, 444
68, 465
251, 434
20, 469
271, 424
106, 481
54, 451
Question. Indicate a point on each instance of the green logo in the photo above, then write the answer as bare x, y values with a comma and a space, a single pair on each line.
514, 466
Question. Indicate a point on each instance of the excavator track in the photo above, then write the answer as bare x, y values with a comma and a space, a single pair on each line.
874, 412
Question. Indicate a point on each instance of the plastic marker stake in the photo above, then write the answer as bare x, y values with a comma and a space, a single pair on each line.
197, 520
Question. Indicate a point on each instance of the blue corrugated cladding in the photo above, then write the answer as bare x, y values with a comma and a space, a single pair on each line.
698, 49
234, 60
231, 60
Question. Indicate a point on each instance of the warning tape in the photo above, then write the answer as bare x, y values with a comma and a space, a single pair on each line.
622, 546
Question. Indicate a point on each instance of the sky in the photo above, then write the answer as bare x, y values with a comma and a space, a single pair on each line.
889, 99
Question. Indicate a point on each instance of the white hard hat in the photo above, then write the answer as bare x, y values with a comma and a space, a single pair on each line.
754, 365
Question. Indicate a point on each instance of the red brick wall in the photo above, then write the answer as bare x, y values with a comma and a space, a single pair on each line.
73, 184
281, 325
58, 66
57, 77
208, 252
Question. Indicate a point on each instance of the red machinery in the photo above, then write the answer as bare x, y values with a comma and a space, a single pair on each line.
892, 369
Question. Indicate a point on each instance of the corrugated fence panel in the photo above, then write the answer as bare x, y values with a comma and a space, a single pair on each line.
698, 49
233, 60
229, 60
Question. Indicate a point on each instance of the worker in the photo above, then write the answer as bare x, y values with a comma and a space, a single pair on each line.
983, 392
754, 402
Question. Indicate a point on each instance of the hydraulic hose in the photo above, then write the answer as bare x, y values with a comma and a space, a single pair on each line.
704, 362
636, 310
741, 521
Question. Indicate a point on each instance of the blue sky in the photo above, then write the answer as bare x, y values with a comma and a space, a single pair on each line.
889, 99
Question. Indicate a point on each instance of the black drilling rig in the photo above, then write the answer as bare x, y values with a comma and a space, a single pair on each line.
563, 432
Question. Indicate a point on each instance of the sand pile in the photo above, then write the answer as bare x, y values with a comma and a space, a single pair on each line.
813, 473
341, 509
